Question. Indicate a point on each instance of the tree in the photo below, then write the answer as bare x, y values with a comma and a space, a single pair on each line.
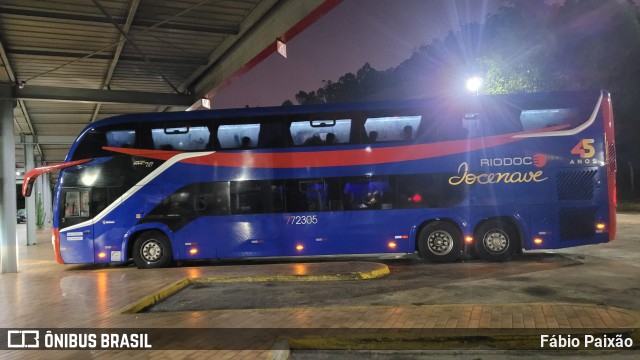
349, 87
525, 46
39, 212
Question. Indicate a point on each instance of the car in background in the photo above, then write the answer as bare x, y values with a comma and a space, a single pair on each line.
22, 216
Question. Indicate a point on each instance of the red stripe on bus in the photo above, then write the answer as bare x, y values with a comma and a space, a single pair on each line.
56, 245
610, 154
328, 158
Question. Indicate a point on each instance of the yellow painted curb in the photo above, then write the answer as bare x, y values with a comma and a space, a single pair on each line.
379, 272
154, 298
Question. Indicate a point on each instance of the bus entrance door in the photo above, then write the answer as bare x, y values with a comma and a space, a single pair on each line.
76, 228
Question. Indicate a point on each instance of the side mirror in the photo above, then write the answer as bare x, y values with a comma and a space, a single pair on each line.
27, 186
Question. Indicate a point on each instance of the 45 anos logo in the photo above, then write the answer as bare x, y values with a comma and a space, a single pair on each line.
586, 150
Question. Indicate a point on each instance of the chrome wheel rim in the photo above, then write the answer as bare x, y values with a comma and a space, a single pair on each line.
151, 250
440, 242
496, 241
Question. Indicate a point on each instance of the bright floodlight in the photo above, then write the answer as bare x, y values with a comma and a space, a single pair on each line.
474, 84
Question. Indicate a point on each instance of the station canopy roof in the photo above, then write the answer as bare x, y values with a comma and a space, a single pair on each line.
73, 62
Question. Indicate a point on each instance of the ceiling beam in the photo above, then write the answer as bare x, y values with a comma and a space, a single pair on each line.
51, 93
199, 81
131, 13
75, 54
271, 20
126, 36
45, 140
143, 23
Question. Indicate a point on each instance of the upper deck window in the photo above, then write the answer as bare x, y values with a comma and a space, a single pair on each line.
496, 123
240, 136
392, 128
540, 119
92, 143
321, 132
121, 138
180, 137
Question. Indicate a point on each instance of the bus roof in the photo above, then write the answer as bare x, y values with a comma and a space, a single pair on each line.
520, 98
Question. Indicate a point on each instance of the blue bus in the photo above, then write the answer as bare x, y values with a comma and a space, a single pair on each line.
495, 175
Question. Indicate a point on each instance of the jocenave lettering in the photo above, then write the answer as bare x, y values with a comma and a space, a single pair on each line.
511, 177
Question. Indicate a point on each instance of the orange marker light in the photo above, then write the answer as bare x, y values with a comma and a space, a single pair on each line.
193, 251
600, 226
299, 247
537, 241
102, 255
392, 244
468, 239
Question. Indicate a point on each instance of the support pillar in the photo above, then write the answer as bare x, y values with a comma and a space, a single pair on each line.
30, 202
47, 200
8, 239
45, 190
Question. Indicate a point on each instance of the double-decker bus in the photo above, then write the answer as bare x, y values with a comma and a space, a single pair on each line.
491, 174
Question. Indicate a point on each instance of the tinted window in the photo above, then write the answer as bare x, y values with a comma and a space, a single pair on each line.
241, 136
392, 128
76, 203
363, 193
246, 197
498, 117
428, 191
121, 138
120, 171
180, 137
539, 119
312, 195
274, 135
211, 198
92, 143
321, 132
315, 192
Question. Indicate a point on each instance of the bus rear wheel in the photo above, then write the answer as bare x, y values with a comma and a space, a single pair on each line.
496, 240
152, 249
440, 242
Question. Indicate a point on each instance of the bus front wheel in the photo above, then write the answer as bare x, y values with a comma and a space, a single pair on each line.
152, 249
496, 240
440, 242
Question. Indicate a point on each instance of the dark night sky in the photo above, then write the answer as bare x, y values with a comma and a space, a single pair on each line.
381, 32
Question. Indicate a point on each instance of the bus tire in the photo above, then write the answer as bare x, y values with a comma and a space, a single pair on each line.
152, 249
496, 240
440, 242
